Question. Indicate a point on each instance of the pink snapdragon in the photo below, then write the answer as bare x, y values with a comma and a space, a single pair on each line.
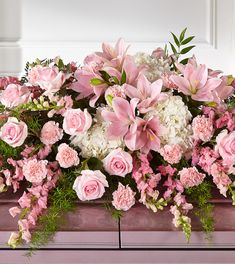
202, 128
148, 93
51, 133
205, 158
66, 156
123, 198
220, 177
190, 177
146, 181
195, 82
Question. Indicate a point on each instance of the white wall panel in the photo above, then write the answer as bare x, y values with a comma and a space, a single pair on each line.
74, 28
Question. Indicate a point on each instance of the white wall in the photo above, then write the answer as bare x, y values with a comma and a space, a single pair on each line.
74, 28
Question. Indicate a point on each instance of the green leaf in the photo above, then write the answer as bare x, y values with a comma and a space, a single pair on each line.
187, 40
60, 64
185, 50
94, 164
96, 81
173, 48
176, 39
105, 75
109, 99
184, 61
114, 79
123, 78
182, 35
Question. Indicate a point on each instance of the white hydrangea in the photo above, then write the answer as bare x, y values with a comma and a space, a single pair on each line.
94, 142
155, 67
175, 116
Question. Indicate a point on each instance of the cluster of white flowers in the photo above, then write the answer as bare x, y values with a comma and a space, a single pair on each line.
175, 116
94, 142
155, 67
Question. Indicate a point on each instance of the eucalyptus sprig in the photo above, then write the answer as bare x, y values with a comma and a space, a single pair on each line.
179, 47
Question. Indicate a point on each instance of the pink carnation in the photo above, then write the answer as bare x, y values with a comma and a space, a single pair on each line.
190, 177
14, 132
118, 162
202, 128
90, 185
76, 121
172, 153
123, 198
51, 133
35, 171
14, 95
66, 156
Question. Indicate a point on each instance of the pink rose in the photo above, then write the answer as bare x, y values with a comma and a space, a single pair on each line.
15, 95
123, 198
14, 132
49, 79
90, 185
118, 162
226, 147
66, 156
172, 153
202, 128
190, 177
51, 133
35, 171
76, 121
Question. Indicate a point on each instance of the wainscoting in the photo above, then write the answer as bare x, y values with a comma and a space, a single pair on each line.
90, 235
75, 28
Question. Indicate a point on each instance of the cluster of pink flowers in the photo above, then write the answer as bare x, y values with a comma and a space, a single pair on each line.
115, 123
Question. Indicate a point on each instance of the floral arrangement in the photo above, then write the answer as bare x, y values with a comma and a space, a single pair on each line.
155, 129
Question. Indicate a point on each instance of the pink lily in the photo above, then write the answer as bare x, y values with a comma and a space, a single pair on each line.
132, 70
144, 135
121, 118
223, 91
196, 83
114, 55
84, 87
148, 93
